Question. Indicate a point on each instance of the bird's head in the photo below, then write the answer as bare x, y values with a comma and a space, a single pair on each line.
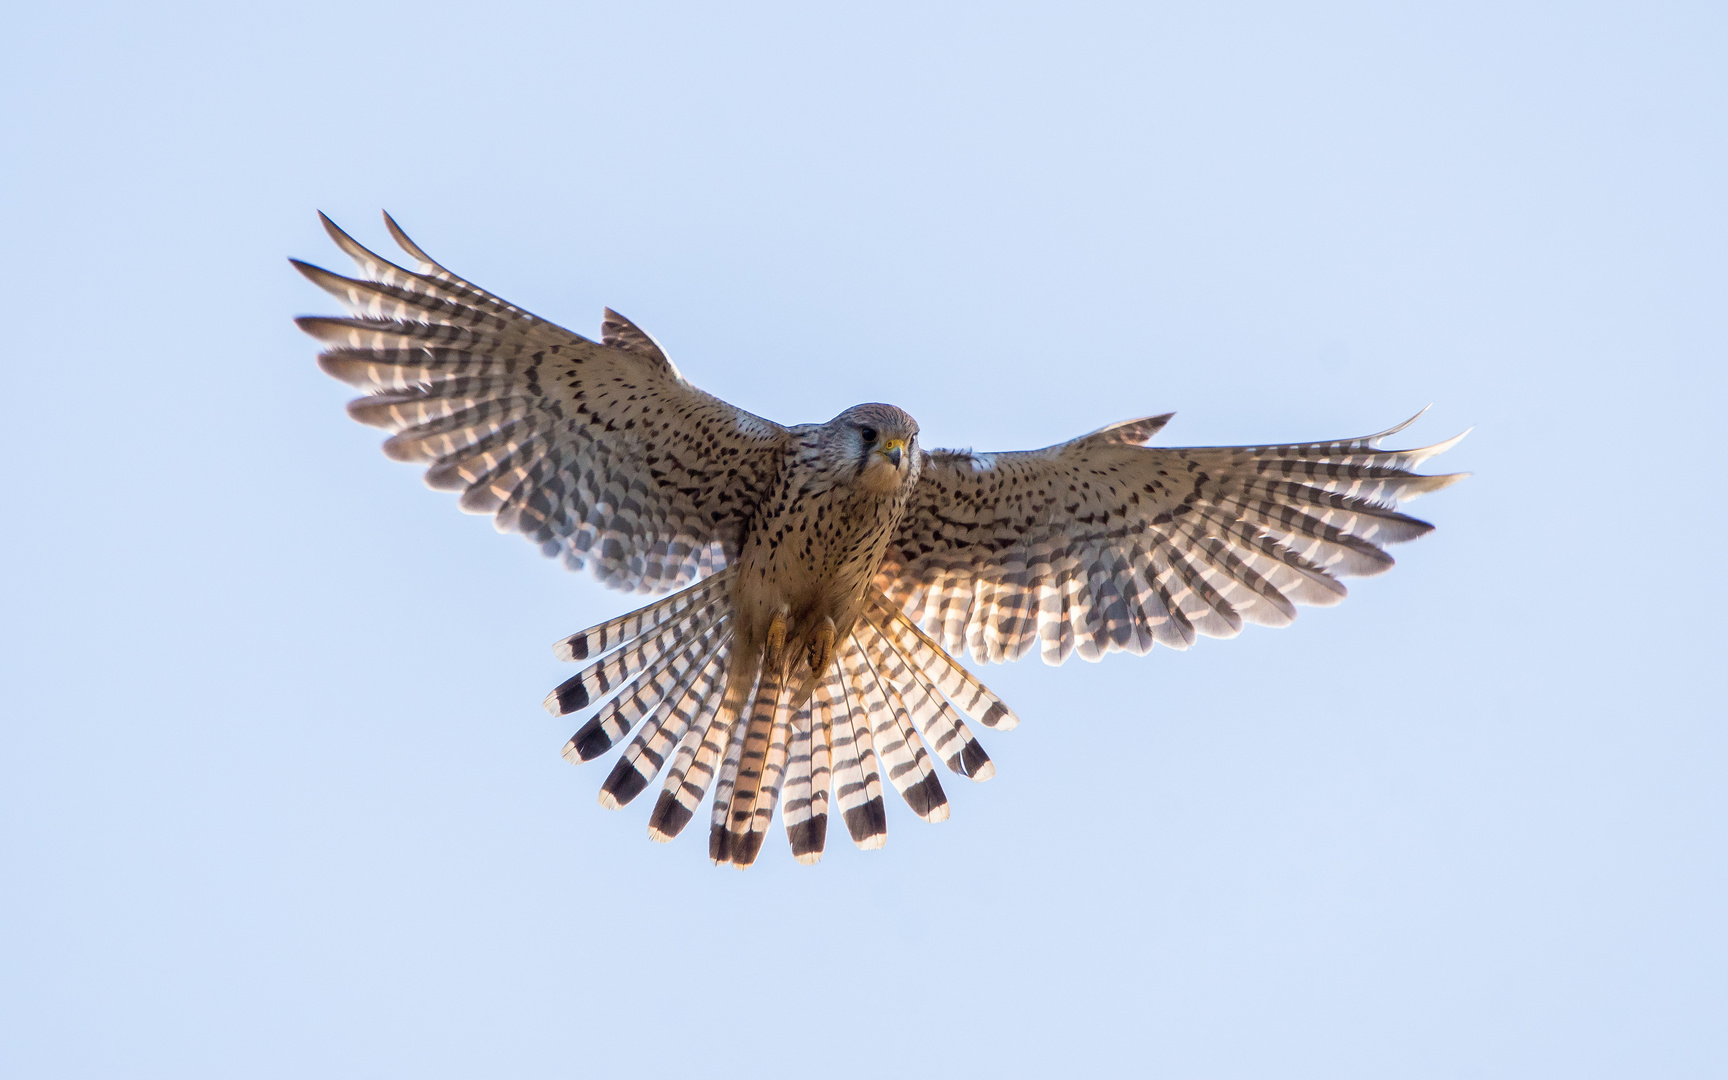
879, 443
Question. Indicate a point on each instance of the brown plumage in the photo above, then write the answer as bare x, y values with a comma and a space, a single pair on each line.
826, 571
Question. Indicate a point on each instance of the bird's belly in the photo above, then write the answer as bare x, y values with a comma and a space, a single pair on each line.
807, 576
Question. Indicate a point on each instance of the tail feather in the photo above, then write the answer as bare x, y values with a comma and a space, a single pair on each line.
724, 773
960, 686
622, 666
944, 731
638, 700
654, 744
761, 770
626, 628
808, 771
692, 768
857, 775
907, 764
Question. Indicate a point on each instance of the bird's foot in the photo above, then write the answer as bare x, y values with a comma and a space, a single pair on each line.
822, 647
776, 638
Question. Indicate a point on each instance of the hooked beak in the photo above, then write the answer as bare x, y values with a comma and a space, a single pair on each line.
892, 449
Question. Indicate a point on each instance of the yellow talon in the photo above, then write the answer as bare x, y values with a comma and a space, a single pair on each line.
776, 636
822, 647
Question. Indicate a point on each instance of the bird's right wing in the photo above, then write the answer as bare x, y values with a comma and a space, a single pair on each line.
597, 451
1101, 543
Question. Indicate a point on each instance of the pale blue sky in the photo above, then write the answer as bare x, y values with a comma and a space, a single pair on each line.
278, 799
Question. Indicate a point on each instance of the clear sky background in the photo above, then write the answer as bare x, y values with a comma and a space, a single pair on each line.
278, 799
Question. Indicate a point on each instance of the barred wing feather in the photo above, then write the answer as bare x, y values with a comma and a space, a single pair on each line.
599, 452
1102, 544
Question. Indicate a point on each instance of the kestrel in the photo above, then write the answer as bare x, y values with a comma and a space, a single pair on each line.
823, 575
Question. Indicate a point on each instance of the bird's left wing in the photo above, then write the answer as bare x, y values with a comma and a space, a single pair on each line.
1101, 543
597, 451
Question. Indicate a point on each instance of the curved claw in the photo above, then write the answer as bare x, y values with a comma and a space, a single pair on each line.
776, 638
822, 647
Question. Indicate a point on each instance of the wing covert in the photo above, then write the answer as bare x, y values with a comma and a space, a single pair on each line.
1100, 543
600, 452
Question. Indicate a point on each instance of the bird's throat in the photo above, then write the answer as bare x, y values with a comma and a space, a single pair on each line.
880, 477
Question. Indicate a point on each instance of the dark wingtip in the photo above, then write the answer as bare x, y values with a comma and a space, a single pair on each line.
1418, 528
719, 844
397, 234
335, 231
1155, 424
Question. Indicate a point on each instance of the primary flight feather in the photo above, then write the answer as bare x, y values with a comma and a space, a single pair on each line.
826, 573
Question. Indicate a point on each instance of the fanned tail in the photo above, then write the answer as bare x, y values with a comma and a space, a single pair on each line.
723, 729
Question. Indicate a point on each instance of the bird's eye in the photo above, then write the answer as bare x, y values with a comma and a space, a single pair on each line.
869, 434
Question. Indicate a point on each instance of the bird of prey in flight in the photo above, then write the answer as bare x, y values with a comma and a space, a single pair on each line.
822, 577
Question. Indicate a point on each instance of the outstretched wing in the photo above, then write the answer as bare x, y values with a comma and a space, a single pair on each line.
1100, 543
597, 451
